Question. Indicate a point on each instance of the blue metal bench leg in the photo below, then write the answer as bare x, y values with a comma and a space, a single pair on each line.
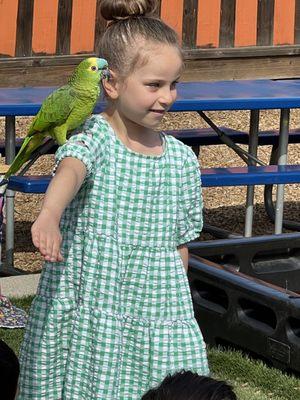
253, 143
282, 160
8, 267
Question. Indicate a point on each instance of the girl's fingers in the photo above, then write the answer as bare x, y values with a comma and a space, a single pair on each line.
50, 247
60, 257
35, 237
35, 234
48, 244
53, 248
36, 240
56, 255
42, 244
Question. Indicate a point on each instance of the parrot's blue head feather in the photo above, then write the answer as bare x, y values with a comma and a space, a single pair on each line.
101, 63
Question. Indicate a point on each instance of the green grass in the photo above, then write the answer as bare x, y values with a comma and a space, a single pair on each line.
251, 379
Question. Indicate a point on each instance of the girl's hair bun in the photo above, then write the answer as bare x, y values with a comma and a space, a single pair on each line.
122, 9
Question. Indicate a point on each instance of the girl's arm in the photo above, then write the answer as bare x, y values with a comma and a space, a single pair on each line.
184, 254
62, 189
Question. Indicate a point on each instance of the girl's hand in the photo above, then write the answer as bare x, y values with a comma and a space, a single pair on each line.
63, 187
46, 236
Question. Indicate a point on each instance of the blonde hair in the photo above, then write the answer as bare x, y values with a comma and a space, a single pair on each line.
132, 24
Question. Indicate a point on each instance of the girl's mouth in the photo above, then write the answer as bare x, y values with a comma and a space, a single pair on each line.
158, 111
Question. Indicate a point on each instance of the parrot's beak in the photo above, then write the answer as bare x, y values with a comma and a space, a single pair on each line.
105, 73
103, 67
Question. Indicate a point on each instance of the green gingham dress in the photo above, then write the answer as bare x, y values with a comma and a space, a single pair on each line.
116, 316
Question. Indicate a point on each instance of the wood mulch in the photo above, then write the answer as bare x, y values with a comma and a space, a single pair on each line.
224, 207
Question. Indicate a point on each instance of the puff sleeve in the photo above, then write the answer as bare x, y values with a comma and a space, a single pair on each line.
190, 218
85, 145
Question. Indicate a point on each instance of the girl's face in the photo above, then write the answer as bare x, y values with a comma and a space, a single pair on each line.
150, 90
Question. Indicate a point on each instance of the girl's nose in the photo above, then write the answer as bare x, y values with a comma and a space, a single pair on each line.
166, 96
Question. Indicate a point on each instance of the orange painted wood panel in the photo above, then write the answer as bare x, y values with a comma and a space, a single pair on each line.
83, 26
284, 22
208, 25
8, 26
84, 13
245, 23
172, 13
44, 26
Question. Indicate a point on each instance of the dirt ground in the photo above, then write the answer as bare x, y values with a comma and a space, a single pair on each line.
224, 207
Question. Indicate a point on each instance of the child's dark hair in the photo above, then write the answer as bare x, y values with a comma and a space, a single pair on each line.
186, 385
131, 24
9, 372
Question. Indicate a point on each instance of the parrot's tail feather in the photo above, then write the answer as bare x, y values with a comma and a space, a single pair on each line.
30, 144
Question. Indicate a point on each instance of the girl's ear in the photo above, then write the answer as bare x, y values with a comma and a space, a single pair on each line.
111, 86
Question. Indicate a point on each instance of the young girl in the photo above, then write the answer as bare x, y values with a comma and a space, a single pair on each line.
113, 314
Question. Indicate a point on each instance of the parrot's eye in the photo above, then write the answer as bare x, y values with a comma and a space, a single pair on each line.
93, 68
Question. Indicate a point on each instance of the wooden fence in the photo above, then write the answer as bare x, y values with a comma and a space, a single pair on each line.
42, 40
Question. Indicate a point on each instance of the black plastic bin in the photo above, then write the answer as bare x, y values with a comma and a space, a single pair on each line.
248, 313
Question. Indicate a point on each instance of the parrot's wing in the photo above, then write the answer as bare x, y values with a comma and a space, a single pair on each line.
54, 111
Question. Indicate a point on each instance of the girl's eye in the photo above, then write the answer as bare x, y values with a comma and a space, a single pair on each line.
93, 68
153, 84
173, 85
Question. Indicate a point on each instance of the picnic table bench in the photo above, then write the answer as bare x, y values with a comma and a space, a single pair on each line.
210, 177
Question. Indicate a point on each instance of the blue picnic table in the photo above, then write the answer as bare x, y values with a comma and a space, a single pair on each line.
253, 95
192, 96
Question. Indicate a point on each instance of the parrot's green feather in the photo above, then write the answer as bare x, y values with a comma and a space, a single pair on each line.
63, 110
54, 111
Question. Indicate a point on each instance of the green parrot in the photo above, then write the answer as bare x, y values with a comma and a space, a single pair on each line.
63, 110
